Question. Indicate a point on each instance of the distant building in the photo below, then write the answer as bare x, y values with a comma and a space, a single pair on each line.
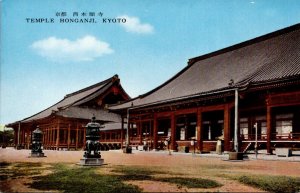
259, 78
63, 123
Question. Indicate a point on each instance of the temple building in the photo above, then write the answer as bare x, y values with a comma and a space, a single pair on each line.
63, 123
240, 94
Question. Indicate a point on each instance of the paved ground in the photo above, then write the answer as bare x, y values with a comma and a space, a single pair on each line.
286, 165
182, 162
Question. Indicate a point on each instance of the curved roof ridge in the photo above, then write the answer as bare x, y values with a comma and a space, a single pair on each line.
245, 43
251, 61
93, 86
77, 102
192, 61
67, 100
42, 111
165, 83
153, 90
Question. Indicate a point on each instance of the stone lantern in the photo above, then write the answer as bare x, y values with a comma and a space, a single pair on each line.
36, 146
92, 156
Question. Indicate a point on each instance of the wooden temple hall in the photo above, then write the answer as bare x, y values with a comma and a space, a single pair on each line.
233, 94
238, 95
63, 124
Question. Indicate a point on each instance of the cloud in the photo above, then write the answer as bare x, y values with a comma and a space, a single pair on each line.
86, 48
134, 25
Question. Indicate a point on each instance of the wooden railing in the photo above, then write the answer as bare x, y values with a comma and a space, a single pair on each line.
251, 137
286, 136
274, 136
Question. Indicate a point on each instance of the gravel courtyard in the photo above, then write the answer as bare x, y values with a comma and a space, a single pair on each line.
185, 164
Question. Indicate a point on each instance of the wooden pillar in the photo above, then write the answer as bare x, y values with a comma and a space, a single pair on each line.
227, 128
43, 139
15, 136
84, 134
65, 132
19, 133
173, 132
57, 137
199, 131
76, 141
27, 138
151, 134
23, 136
49, 139
69, 136
44, 136
269, 129
20, 137
122, 133
155, 129
49, 136
129, 132
140, 131
46, 140
53, 137
45, 144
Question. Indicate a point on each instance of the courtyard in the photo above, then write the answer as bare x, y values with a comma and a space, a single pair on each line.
146, 172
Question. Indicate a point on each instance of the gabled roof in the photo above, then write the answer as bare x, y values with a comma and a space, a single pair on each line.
69, 105
272, 57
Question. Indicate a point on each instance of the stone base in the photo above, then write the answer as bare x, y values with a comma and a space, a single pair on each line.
127, 150
236, 156
91, 162
37, 154
283, 152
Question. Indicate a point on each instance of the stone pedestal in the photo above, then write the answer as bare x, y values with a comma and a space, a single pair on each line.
127, 150
283, 152
36, 154
236, 156
91, 162
219, 147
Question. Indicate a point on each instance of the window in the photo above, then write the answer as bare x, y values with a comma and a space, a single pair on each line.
244, 128
164, 125
284, 125
186, 127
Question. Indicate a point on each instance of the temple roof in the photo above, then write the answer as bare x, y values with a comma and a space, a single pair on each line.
70, 107
88, 112
266, 59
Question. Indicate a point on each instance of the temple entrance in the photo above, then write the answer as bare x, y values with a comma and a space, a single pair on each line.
147, 133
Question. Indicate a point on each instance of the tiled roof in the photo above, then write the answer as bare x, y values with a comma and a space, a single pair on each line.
65, 107
87, 113
275, 56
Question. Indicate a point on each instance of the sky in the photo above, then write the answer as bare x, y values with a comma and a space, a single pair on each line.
44, 55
